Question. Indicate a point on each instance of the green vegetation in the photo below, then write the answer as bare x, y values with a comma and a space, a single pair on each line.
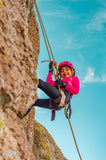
9, 3
1, 5
2, 125
45, 157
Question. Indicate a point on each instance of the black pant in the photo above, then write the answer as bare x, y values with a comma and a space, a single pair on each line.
52, 92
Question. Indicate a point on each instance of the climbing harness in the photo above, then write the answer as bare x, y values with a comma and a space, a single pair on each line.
49, 50
62, 99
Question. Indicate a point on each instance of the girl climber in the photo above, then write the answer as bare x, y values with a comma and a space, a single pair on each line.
68, 83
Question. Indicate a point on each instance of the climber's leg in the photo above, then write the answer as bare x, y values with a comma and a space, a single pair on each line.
51, 91
44, 103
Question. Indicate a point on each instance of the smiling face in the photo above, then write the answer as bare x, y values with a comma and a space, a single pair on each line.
66, 71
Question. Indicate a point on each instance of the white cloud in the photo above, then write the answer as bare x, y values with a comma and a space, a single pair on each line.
97, 22
72, 43
91, 78
60, 13
69, 41
103, 2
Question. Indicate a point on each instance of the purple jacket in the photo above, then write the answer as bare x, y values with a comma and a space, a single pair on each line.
72, 86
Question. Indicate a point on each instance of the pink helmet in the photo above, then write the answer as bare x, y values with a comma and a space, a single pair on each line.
66, 63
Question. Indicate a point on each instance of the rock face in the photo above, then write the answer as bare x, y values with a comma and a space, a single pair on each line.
44, 147
19, 50
17, 55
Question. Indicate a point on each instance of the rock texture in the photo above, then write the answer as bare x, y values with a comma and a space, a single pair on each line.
17, 55
44, 147
19, 49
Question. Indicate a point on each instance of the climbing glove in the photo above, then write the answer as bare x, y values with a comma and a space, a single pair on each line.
51, 67
60, 83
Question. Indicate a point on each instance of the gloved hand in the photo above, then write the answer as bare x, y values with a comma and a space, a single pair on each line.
60, 83
51, 67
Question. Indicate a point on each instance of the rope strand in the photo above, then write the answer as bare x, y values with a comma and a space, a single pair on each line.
43, 29
71, 128
55, 64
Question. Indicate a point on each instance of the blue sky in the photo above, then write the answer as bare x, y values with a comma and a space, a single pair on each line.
77, 32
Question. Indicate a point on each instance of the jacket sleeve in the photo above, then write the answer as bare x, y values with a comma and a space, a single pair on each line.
49, 79
73, 86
